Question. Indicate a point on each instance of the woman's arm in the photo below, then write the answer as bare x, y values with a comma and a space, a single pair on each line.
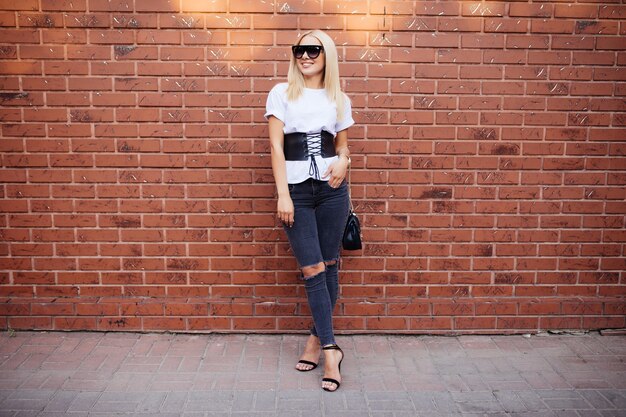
337, 170
277, 139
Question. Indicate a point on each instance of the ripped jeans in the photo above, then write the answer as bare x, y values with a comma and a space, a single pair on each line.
320, 215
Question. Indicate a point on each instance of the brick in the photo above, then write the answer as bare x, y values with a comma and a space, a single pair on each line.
552, 26
110, 6
576, 11
43, 20
63, 5
483, 9
498, 25
530, 10
133, 21
474, 322
436, 40
20, 36
208, 6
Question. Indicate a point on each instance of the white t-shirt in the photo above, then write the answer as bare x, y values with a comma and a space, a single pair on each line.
311, 113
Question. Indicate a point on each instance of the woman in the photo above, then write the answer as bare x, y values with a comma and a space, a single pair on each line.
308, 120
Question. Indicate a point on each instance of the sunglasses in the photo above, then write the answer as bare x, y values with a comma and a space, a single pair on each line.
312, 51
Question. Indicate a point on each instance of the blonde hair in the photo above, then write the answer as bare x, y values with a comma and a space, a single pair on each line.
332, 85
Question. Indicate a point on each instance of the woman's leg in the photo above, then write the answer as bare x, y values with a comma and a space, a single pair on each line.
332, 283
331, 215
310, 355
305, 243
320, 305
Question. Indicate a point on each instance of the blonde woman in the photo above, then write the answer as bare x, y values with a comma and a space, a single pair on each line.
308, 120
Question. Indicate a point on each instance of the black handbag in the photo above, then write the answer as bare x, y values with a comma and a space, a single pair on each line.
352, 233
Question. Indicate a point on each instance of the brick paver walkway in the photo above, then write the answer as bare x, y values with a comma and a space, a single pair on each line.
107, 374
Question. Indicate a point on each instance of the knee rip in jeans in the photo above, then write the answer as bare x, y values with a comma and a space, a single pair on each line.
312, 270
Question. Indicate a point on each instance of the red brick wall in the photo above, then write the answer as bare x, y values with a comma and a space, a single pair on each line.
489, 165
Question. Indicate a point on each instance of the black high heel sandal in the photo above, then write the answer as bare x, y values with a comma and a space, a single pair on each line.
302, 361
334, 381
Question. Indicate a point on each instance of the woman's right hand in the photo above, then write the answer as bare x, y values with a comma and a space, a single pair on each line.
285, 210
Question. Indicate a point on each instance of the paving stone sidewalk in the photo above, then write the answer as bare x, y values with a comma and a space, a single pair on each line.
109, 374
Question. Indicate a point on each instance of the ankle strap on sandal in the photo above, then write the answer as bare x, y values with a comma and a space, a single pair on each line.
331, 347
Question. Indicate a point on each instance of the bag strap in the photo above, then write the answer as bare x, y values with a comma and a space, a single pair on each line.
349, 193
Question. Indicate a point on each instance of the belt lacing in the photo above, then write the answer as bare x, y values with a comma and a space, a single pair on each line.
314, 145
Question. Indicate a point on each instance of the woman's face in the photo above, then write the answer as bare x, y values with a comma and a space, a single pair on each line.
311, 67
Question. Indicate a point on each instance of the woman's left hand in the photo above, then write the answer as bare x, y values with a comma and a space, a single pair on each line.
337, 172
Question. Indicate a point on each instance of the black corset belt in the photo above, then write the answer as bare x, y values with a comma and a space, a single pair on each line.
300, 146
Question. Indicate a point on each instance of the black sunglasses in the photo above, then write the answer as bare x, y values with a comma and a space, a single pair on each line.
312, 51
